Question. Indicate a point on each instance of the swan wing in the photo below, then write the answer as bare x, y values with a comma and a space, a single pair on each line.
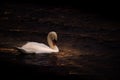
34, 47
36, 44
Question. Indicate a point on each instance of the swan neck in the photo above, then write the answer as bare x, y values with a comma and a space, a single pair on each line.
50, 43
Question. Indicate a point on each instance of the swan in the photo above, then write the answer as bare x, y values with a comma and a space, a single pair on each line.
35, 47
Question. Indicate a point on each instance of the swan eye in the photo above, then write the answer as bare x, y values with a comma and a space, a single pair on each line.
54, 37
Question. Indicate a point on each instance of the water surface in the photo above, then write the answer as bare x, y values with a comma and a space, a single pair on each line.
88, 42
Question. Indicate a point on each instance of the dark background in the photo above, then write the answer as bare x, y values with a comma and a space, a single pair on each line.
108, 9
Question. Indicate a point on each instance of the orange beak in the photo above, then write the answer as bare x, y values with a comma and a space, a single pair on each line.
54, 42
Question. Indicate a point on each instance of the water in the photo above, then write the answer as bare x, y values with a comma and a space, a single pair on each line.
88, 43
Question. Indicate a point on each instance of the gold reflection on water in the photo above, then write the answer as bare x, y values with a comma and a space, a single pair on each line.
68, 52
8, 50
67, 57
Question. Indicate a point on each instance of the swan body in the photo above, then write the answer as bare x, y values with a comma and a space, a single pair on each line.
35, 47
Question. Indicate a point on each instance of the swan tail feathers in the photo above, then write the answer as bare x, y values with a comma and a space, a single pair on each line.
20, 50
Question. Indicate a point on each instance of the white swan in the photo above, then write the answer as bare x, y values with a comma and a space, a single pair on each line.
35, 47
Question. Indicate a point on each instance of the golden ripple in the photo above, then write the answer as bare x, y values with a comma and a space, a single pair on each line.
8, 50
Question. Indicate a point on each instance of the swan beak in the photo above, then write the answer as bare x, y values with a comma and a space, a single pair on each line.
54, 42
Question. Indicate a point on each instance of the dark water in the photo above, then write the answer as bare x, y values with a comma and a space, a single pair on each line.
88, 42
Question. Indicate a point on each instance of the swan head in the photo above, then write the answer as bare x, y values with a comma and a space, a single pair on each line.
52, 39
